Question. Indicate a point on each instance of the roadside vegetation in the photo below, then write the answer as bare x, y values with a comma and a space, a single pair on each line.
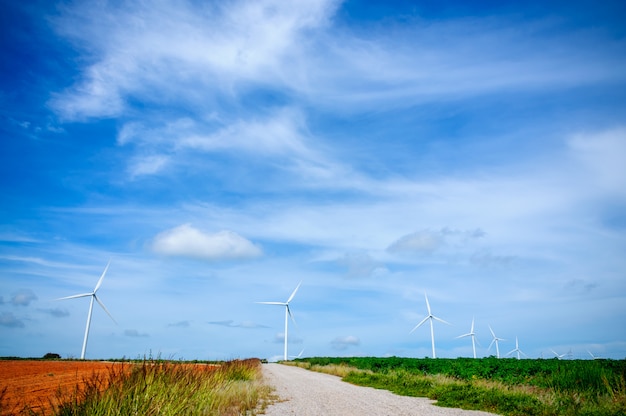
508, 387
162, 387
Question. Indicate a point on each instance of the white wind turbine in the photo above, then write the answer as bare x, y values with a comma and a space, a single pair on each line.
299, 355
430, 318
558, 356
594, 357
287, 313
516, 350
495, 339
93, 296
473, 335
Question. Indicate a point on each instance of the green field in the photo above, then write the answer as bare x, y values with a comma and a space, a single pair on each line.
503, 386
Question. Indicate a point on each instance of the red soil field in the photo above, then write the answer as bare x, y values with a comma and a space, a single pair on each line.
37, 383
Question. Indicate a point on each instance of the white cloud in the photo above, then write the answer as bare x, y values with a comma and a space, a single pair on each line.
148, 165
186, 241
342, 343
176, 47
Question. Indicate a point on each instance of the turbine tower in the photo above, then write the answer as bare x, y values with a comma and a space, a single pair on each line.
93, 297
516, 350
430, 318
473, 335
287, 314
495, 339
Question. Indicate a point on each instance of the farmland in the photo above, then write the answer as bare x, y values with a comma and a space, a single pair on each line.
504, 386
146, 387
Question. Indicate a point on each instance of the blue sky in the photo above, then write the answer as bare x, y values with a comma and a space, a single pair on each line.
218, 153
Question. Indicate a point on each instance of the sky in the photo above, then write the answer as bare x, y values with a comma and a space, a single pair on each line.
219, 153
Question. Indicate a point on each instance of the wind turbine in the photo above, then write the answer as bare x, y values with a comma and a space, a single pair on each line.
430, 318
593, 356
495, 339
471, 334
558, 356
287, 313
93, 296
299, 355
516, 350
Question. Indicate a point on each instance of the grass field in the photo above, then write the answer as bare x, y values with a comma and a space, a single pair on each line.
160, 387
504, 386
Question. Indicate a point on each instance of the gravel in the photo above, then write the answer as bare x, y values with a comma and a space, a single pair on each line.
307, 393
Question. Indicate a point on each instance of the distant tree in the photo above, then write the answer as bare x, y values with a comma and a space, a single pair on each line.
51, 356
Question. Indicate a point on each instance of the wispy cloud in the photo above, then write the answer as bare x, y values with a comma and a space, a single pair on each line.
428, 241
172, 49
360, 264
233, 324
56, 312
133, 333
180, 324
11, 321
344, 342
23, 297
187, 241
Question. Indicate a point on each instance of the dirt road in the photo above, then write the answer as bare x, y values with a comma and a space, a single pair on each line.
307, 393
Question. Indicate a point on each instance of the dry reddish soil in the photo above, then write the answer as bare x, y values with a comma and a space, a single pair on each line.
39, 384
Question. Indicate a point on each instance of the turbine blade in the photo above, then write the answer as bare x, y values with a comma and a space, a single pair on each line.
492, 333
464, 335
82, 295
427, 304
294, 292
272, 303
104, 307
420, 324
441, 320
102, 277
492, 341
291, 315
478, 342
472, 329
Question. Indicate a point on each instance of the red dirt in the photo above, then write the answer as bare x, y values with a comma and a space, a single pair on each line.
37, 384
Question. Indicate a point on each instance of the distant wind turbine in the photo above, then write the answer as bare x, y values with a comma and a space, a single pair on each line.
287, 313
558, 356
516, 350
299, 355
495, 339
593, 356
473, 335
93, 297
430, 318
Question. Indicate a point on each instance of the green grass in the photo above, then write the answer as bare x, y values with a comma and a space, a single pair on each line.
504, 386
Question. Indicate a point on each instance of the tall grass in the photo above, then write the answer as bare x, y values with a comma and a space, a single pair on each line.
165, 388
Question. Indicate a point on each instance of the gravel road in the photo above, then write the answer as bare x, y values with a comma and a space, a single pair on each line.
307, 393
